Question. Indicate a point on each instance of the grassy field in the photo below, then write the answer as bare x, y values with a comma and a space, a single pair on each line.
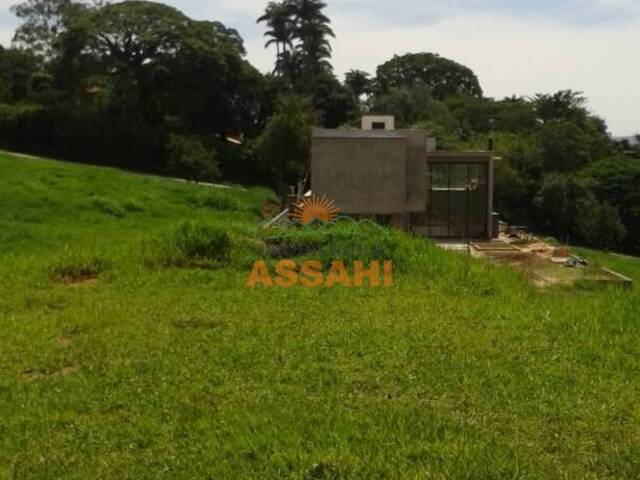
131, 348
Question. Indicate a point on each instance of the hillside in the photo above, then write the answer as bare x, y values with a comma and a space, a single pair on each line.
131, 348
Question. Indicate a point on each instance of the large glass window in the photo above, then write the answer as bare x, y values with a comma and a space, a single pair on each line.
457, 200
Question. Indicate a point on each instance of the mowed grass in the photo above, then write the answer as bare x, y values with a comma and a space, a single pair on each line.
121, 359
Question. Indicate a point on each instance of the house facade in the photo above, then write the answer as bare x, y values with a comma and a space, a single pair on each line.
397, 177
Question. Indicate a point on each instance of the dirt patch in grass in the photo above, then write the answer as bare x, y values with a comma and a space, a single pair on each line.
82, 280
77, 270
64, 341
33, 375
195, 324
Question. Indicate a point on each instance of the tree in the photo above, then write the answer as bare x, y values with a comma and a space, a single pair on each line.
443, 77
557, 203
518, 173
43, 22
598, 224
283, 147
17, 70
615, 180
515, 114
333, 102
167, 64
278, 17
358, 82
568, 146
312, 29
473, 114
563, 105
188, 158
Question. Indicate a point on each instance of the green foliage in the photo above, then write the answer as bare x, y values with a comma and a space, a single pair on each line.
443, 77
215, 199
410, 105
333, 102
17, 70
359, 82
571, 209
301, 31
191, 244
108, 206
189, 158
568, 146
285, 143
70, 266
107, 77
615, 180
517, 172
43, 22
558, 201
599, 225
563, 105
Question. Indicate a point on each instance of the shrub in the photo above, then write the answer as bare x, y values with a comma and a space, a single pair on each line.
599, 225
247, 247
348, 241
132, 205
108, 206
71, 267
189, 158
192, 244
216, 200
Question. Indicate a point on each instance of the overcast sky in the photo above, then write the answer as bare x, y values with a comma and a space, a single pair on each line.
516, 47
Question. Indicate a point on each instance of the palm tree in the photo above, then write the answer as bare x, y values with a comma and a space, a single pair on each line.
278, 17
290, 64
312, 30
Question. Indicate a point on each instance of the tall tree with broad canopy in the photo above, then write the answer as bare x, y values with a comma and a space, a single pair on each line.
443, 77
171, 64
43, 23
359, 82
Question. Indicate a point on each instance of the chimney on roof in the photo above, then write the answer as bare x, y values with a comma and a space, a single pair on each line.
378, 122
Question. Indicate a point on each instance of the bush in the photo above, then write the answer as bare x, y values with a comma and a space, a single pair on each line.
188, 158
71, 267
132, 205
347, 241
599, 225
215, 199
108, 206
192, 244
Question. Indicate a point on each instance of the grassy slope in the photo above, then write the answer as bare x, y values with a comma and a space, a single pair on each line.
462, 370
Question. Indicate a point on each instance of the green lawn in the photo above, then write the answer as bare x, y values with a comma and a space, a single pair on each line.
140, 369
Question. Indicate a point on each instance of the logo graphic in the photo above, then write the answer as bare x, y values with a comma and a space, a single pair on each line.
315, 208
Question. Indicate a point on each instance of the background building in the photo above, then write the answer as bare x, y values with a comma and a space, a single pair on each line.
397, 178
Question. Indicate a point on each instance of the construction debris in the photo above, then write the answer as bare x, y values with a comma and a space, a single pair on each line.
546, 263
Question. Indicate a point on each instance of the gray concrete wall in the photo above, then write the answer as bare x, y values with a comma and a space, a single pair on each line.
364, 175
416, 177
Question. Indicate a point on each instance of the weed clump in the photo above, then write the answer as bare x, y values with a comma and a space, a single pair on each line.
348, 241
215, 200
73, 267
132, 205
192, 244
108, 206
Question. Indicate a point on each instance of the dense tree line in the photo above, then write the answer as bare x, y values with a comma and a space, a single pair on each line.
141, 85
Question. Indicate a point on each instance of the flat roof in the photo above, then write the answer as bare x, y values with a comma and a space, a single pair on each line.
463, 153
343, 133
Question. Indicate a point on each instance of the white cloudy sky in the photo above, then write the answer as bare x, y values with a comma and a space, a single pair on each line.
516, 47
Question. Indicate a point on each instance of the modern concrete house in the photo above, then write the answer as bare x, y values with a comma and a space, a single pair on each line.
397, 178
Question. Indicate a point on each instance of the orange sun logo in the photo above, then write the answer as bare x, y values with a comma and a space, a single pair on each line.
315, 208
